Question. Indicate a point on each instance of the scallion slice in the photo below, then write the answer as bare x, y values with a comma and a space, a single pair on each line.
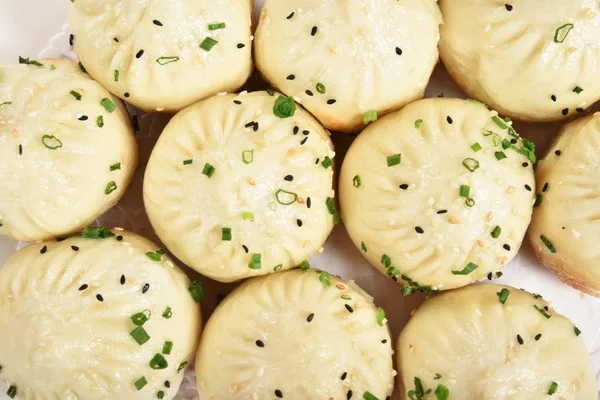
196, 291
326, 163
247, 156
167, 60
110, 187
284, 107
167, 348
188, 162
116, 75
115, 166
363, 246
324, 278
369, 396
255, 261
332, 210
285, 198
503, 295
394, 159
168, 313
356, 181
304, 265
140, 383
141, 318
476, 147
208, 43
380, 316
140, 335
369, 116
471, 164
182, 366
496, 232
158, 362
464, 190
553, 388
12, 391
108, 105
51, 142
100, 121
500, 155
467, 270
157, 255
470, 202
548, 244
248, 216
226, 234
208, 170
76, 95
562, 32
214, 27
321, 88
418, 123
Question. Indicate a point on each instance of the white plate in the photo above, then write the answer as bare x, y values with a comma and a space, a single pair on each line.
31, 26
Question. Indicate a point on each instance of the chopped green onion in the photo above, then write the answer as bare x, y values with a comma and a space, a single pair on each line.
140, 383
208, 43
110, 187
247, 156
346, 297
363, 246
208, 170
52, 67
6, 103
255, 261
437, 376
12, 391
214, 27
498, 121
496, 139
503, 295
304, 265
562, 32
27, 61
115, 166
140, 335
577, 90
500, 155
285, 198
324, 278
392, 272
471, 164
467, 270
394, 160
188, 162
321, 88
96, 232
160, 395
442, 392
108, 105
332, 210
369, 396
553, 388
278, 267
141, 318
326, 162
284, 107
577, 331
406, 290
538, 200
168, 313
100, 121
196, 291
356, 181
542, 311
548, 244
156, 256
158, 362
116, 75
418, 123
369, 116
476, 147
226, 234
82, 68
386, 261
51, 142
167, 347
167, 60
182, 366
248, 216
380, 316
505, 144
418, 392
76, 95
270, 92
464, 190
470, 202
496, 232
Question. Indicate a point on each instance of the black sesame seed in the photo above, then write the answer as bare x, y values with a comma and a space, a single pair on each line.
419, 230
538, 337
289, 178
71, 37
384, 341
291, 77
442, 211
545, 187
317, 161
508, 7
308, 92
20, 149
506, 247
278, 393
157, 22
299, 222
44, 249
546, 308
75, 248
237, 102
116, 40
255, 127
579, 109
83, 118
305, 132
525, 165
565, 111
99, 297
553, 97
528, 188
139, 54
349, 395
350, 309
313, 31
126, 94
83, 287
449, 119
122, 279
241, 45
331, 101
249, 124
564, 227
398, 51
119, 238
513, 141
245, 248
520, 339
395, 278
303, 141
388, 398
404, 186
308, 202
489, 276
296, 130
167, 384
558, 152
344, 375
290, 16
145, 288
260, 343
310, 317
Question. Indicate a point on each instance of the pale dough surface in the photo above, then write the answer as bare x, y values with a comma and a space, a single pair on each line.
59, 341
55, 158
156, 47
505, 54
568, 181
471, 343
276, 170
369, 55
409, 218
301, 333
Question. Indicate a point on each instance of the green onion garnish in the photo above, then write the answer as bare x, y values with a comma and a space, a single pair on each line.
369, 116
538, 200
100, 121
418, 123
196, 291
27, 61
577, 89
369, 396
51, 142
140, 335
471, 164
542, 311
156, 256
326, 163
356, 181
562, 32
115, 166
418, 392
158, 362
324, 278
278, 267
167, 347
321, 88
332, 210
6, 103
208, 170
496, 232
380, 316
255, 261
496, 139
140, 383
188, 162
284, 107
214, 27
392, 272
285, 198
363, 246
12, 391
160, 395
346, 297
226, 234
470, 202
247, 156
141, 318
386, 261
442, 392
248, 216
108, 105
437, 376
167, 60
467, 270
553, 388
577, 331
116, 75
82, 68
505, 144
168, 313
503, 295
110, 187
208, 43
500, 155
464, 190
548, 244
96, 232
406, 290
75, 94
498, 121
182, 366
476, 147
394, 160
304, 265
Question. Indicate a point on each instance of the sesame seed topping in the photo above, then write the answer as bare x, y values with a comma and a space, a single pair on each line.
398, 51
579, 109
553, 97
384, 341
83, 118
305, 132
75, 248
237, 102
349, 395
139, 54
83, 287
122, 279
528, 188
303, 141
116, 40
508, 7
558, 152
545, 187
308, 202
167, 384
296, 130
313, 31
442, 211
331, 101
245, 248
449, 119
99, 297
289, 178
538, 337
350, 309
71, 37
299, 222
290, 16
278, 393
344, 375
44, 249
20, 149
291, 77
119, 238
520, 339
308, 92
565, 111
419, 230
126, 94
157, 22
489, 276
241, 45
525, 165
260, 343
506, 247
310, 317
145, 288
